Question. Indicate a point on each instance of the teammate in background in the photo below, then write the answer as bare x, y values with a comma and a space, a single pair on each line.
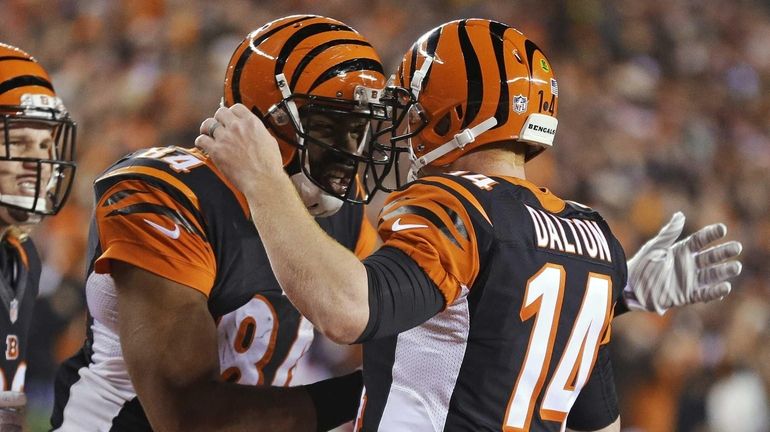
491, 299
37, 140
173, 254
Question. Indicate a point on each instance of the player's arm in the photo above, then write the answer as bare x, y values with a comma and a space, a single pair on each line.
346, 299
665, 273
325, 281
168, 338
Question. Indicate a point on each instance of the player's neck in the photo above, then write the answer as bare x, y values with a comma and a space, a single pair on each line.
491, 162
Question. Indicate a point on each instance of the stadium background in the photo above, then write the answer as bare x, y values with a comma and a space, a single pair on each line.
664, 106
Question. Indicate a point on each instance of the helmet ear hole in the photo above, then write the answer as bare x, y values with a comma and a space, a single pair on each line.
442, 126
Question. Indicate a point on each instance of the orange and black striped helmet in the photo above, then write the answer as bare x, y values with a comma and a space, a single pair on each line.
28, 99
474, 82
299, 66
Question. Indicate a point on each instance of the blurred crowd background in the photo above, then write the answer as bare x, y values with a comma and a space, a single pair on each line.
664, 106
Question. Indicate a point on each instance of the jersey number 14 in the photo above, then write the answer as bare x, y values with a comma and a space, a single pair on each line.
543, 300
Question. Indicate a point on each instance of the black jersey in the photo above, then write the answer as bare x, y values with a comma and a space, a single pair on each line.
20, 267
170, 212
529, 281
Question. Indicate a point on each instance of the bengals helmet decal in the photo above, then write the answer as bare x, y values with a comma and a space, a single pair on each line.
470, 83
27, 97
295, 69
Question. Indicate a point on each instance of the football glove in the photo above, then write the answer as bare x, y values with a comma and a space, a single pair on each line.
664, 274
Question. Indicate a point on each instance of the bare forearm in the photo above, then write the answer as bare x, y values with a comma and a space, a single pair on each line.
318, 274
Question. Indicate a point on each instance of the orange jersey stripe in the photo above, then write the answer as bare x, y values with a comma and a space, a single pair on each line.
608, 330
433, 227
367, 239
145, 227
16, 243
549, 201
159, 174
462, 191
179, 185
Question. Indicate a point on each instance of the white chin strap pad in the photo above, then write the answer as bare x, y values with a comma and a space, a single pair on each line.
317, 202
26, 202
419, 77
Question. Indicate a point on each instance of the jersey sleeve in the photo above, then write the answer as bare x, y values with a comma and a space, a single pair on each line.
432, 226
144, 225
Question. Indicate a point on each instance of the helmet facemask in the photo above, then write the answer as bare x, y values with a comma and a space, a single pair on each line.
406, 119
410, 120
333, 137
45, 182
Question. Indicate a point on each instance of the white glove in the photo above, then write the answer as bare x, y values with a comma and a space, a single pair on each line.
665, 274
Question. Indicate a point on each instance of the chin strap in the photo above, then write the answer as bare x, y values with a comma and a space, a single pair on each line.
460, 140
283, 86
317, 202
26, 202
419, 77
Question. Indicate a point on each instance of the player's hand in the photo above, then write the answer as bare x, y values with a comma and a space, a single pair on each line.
241, 147
665, 274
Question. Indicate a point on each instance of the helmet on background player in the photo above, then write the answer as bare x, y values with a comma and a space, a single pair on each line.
469, 83
316, 84
35, 181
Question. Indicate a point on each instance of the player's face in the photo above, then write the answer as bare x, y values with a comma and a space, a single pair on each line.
19, 177
341, 136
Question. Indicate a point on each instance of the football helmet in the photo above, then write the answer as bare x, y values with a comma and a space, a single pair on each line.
469, 83
28, 100
316, 83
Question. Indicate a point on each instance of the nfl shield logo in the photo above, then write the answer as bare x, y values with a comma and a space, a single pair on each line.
519, 104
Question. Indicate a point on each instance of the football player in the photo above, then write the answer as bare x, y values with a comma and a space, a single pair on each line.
37, 139
180, 289
491, 299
